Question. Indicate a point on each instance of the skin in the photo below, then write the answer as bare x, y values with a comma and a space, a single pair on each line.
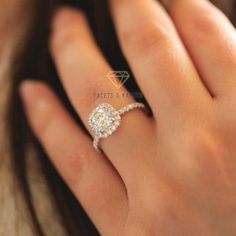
174, 173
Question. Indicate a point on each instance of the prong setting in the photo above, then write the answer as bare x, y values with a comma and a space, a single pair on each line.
105, 120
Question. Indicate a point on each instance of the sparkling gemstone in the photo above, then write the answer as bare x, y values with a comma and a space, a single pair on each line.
104, 120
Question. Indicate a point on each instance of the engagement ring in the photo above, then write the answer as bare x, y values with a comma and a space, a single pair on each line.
105, 120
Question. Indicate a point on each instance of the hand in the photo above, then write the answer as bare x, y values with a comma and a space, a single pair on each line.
173, 174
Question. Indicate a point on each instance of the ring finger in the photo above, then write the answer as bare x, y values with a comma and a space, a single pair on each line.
82, 69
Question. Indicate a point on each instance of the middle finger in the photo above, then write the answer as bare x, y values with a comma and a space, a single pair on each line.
157, 56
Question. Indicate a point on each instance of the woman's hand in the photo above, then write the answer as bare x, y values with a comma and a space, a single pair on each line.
173, 174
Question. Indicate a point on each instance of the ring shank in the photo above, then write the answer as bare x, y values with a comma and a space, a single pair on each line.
96, 143
131, 107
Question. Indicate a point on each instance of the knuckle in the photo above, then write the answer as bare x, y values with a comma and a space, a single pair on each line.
77, 163
68, 29
60, 41
65, 27
205, 23
143, 40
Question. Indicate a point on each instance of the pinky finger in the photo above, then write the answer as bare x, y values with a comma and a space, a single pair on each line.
90, 176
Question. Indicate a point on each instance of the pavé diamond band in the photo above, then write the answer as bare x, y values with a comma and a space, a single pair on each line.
105, 120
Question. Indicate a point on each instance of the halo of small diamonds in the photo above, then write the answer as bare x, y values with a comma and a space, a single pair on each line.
105, 120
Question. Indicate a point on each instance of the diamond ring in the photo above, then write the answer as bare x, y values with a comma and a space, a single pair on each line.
105, 120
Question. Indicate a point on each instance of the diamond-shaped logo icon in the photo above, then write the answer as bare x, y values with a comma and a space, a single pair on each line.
118, 78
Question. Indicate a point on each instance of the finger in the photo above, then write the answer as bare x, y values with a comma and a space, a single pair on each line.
210, 39
92, 179
157, 57
83, 71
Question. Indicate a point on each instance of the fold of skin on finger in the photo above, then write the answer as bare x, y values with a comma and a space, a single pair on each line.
83, 72
158, 58
210, 39
90, 176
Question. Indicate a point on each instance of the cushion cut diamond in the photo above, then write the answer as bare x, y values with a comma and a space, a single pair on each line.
104, 120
